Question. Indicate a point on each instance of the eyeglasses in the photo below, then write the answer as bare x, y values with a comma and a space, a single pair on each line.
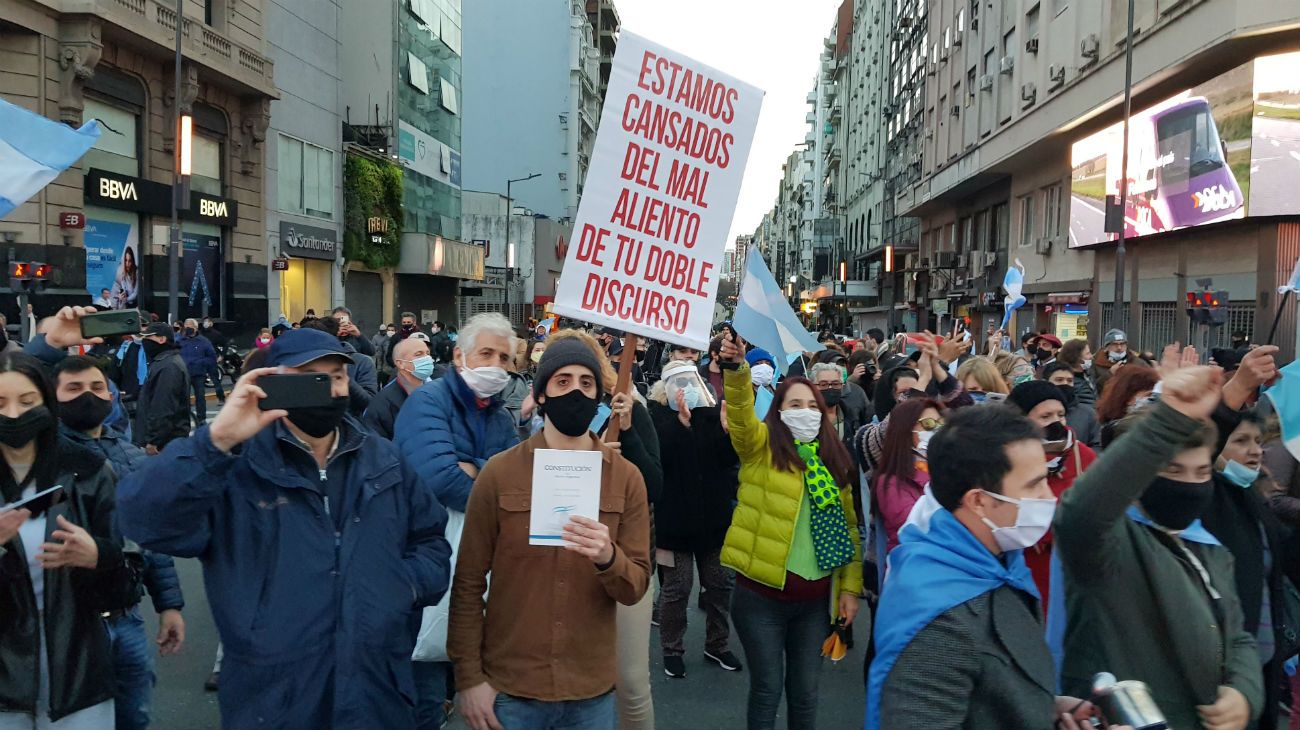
828, 386
929, 424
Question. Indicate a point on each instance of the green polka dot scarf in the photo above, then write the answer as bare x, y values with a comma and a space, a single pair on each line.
830, 526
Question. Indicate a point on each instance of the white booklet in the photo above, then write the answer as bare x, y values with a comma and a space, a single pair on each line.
565, 483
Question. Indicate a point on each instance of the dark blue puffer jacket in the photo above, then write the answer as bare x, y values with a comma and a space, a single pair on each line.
441, 425
198, 354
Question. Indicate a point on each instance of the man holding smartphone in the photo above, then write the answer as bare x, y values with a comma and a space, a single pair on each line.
318, 549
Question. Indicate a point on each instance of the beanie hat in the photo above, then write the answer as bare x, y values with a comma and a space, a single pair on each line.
563, 353
1113, 336
1030, 393
758, 355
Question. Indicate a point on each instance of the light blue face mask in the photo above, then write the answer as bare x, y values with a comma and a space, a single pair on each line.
692, 395
1240, 474
422, 367
978, 396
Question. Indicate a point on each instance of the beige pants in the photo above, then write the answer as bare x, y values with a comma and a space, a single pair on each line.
636, 710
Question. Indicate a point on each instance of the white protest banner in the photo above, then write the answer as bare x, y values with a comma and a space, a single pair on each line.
659, 196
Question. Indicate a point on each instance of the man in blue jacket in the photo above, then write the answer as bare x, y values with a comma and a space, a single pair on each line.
84, 404
446, 432
200, 359
319, 549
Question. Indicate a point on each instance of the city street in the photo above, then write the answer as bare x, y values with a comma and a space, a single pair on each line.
1275, 166
707, 698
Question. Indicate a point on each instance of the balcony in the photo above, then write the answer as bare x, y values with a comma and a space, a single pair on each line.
154, 22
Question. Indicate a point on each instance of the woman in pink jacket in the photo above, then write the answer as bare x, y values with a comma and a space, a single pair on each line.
902, 474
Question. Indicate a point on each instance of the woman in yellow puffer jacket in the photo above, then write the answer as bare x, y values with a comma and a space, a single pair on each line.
793, 541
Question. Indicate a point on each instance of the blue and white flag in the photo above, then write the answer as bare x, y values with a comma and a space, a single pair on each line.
34, 150
1292, 284
1285, 395
1013, 282
764, 318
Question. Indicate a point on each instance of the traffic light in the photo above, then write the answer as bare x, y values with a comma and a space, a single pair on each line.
1208, 307
30, 277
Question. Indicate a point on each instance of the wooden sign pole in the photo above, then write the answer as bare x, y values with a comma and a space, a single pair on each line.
626, 361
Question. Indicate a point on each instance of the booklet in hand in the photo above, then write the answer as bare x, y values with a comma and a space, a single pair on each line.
565, 484
38, 503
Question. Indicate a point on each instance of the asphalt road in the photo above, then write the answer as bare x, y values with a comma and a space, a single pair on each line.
1275, 166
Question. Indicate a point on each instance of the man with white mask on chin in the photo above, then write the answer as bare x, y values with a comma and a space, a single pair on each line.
446, 431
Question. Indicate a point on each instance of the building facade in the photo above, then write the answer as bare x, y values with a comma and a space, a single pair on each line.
605, 24
1022, 149
114, 61
402, 94
304, 170
543, 57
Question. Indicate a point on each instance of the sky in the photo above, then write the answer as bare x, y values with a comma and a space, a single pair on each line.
773, 45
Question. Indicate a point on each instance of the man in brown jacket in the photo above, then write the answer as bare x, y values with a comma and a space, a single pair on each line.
540, 653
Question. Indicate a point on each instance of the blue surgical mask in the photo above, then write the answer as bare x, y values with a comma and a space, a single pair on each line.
978, 396
1240, 474
692, 395
422, 367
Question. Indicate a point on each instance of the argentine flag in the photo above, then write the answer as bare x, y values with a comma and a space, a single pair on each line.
1285, 395
34, 150
1013, 282
764, 318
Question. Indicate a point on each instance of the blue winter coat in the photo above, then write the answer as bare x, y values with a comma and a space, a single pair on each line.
197, 353
317, 622
160, 579
440, 426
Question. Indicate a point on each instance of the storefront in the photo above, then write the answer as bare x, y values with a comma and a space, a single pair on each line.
306, 279
116, 261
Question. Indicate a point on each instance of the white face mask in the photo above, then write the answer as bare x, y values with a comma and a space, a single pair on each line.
1116, 356
1032, 522
1087, 363
485, 382
923, 442
762, 375
804, 423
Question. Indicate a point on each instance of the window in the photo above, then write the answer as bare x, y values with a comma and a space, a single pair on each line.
306, 178
1027, 216
417, 73
1052, 210
117, 149
447, 96
961, 20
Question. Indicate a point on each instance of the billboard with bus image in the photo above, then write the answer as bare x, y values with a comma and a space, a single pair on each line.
1220, 151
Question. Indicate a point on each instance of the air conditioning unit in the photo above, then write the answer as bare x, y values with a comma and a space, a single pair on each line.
1043, 246
963, 261
1007, 64
1031, 46
942, 260
1028, 93
1056, 76
1090, 49
986, 82
977, 266
990, 259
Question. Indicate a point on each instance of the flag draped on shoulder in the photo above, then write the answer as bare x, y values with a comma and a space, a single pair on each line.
34, 150
1285, 395
764, 318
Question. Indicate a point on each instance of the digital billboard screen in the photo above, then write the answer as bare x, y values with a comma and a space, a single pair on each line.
1219, 151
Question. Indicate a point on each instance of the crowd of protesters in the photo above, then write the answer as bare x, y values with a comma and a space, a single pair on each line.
1001, 526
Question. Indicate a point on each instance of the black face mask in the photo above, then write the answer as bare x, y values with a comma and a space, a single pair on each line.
85, 412
152, 348
570, 413
833, 397
190, 332
1070, 396
408, 327
18, 432
1055, 431
1044, 354
319, 421
1175, 505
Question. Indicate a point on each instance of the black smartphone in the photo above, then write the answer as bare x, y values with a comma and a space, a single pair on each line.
38, 503
294, 390
110, 322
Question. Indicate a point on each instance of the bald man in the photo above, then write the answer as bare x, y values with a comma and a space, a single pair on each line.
414, 368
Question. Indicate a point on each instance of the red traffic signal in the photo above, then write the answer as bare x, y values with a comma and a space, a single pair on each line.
20, 270
40, 272
29, 276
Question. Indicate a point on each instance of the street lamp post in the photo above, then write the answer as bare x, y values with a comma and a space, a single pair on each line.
510, 252
1121, 317
183, 130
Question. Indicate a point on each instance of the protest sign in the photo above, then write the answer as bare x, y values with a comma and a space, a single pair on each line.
659, 196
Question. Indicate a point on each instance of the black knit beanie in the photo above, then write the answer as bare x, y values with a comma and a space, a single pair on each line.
1030, 393
560, 354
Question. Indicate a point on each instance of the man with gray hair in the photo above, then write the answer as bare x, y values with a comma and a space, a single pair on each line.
446, 432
